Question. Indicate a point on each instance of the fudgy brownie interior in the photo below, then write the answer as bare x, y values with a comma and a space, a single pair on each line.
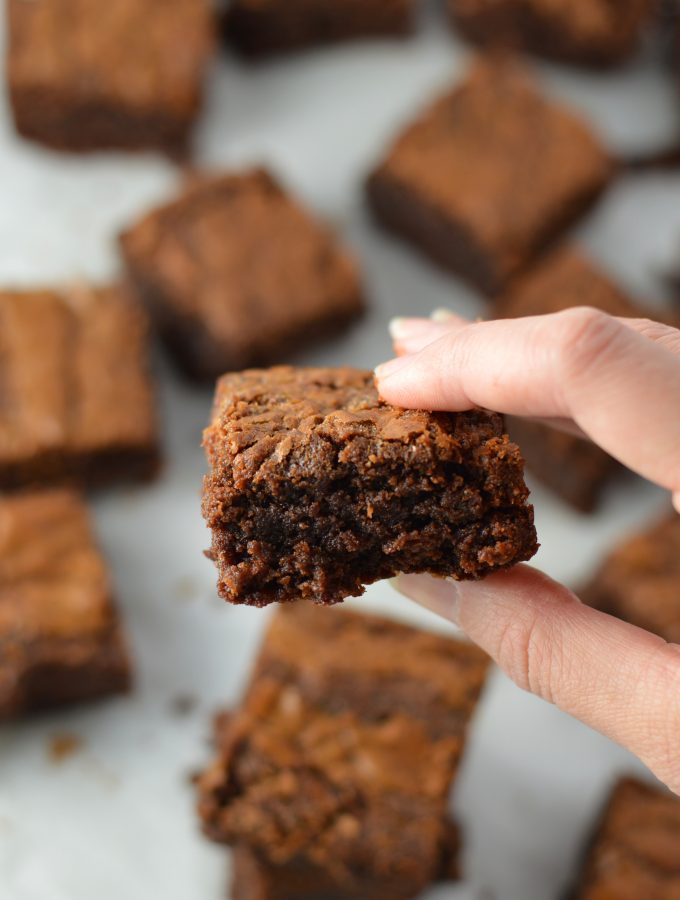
317, 488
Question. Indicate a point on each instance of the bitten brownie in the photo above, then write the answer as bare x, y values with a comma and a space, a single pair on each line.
590, 32
635, 853
489, 175
640, 581
236, 273
576, 469
86, 75
317, 488
332, 780
77, 397
60, 636
259, 27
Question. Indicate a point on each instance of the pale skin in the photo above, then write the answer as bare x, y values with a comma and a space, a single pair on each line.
618, 382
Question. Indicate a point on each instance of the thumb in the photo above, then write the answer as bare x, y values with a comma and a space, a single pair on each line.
616, 678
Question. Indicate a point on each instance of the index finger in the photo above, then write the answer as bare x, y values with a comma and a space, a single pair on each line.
621, 389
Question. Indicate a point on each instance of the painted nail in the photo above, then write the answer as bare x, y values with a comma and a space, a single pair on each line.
442, 315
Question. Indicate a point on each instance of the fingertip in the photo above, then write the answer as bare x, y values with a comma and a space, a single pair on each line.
439, 595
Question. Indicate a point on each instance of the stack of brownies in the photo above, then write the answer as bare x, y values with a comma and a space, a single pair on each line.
332, 778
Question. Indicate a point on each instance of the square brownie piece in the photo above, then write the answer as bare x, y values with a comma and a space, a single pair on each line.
61, 640
489, 175
317, 488
589, 32
635, 852
86, 75
260, 27
574, 468
237, 273
333, 778
77, 396
639, 581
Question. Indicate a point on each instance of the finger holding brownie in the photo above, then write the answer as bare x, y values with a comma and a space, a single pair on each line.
615, 380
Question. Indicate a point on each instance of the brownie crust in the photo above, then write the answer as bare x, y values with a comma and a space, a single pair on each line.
332, 780
83, 76
268, 278
635, 852
61, 640
471, 185
639, 581
78, 399
258, 28
594, 33
317, 488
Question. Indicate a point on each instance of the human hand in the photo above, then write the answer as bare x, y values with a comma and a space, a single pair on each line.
618, 382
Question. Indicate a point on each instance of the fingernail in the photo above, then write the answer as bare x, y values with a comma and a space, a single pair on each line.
439, 595
442, 315
386, 370
403, 327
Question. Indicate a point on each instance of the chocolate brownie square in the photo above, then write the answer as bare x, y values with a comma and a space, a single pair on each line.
77, 397
635, 852
237, 273
640, 581
332, 779
576, 469
260, 27
61, 640
590, 32
86, 75
489, 175
317, 488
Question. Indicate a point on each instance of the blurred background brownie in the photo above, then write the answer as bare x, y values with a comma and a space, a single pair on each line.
259, 27
635, 852
78, 402
61, 640
489, 175
640, 581
89, 75
332, 779
317, 488
575, 468
588, 32
237, 273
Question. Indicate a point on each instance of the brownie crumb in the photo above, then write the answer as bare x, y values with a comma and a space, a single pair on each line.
63, 745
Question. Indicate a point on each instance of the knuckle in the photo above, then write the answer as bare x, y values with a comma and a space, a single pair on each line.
585, 340
529, 657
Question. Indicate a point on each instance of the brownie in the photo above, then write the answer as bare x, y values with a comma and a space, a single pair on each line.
237, 273
596, 33
489, 175
640, 580
576, 469
317, 488
332, 780
87, 76
61, 639
77, 401
260, 27
635, 853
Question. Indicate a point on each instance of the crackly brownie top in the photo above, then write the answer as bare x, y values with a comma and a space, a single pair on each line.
237, 253
301, 423
130, 52
54, 584
640, 581
361, 791
564, 279
376, 667
501, 158
592, 20
637, 850
73, 366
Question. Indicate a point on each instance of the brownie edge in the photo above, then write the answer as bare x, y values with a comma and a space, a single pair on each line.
317, 488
